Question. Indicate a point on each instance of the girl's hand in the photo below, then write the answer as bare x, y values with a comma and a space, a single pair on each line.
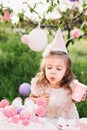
46, 96
84, 97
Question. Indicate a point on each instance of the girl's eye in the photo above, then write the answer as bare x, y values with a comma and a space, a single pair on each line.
58, 68
49, 67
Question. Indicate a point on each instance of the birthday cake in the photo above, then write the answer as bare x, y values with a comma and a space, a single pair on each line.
7, 124
29, 116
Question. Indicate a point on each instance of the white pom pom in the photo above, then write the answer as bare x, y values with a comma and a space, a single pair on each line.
29, 103
17, 103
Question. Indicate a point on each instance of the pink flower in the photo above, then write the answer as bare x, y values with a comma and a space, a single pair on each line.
4, 103
25, 39
9, 111
25, 122
41, 102
6, 15
15, 119
40, 111
76, 32
24, 115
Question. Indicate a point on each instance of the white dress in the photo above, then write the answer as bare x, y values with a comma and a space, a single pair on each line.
60, 104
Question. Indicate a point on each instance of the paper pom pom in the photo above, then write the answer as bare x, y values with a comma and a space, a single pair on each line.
4, 103
40, 111
38, 40
25, 39
17, 102
28, 102
24, 89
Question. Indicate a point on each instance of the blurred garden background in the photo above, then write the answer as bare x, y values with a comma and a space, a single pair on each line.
19, 63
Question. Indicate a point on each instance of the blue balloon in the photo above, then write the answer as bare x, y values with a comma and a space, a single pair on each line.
24, 89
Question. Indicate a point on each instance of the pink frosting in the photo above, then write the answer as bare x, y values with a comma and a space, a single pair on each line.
10, 111
24, 115
25, 122
41, 102
4, 103
15, 119
40, 111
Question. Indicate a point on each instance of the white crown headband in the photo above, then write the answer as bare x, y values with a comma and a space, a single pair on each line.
58, 44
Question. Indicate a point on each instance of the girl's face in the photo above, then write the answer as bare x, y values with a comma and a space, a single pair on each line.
55, 69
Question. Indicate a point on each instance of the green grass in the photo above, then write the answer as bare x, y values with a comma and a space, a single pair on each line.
78, 52
18, 64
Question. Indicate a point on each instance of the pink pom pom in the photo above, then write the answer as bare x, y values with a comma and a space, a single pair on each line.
4, 103
25, 122
15, 119
24, 115
25, 39
9, 111
40, 111
41, 102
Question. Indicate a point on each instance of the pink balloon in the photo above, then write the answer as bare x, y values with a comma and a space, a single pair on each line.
37, 40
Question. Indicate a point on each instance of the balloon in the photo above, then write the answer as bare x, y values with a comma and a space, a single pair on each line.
37, 40
24, 89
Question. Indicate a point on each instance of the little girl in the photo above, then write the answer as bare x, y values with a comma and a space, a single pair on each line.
53, 84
